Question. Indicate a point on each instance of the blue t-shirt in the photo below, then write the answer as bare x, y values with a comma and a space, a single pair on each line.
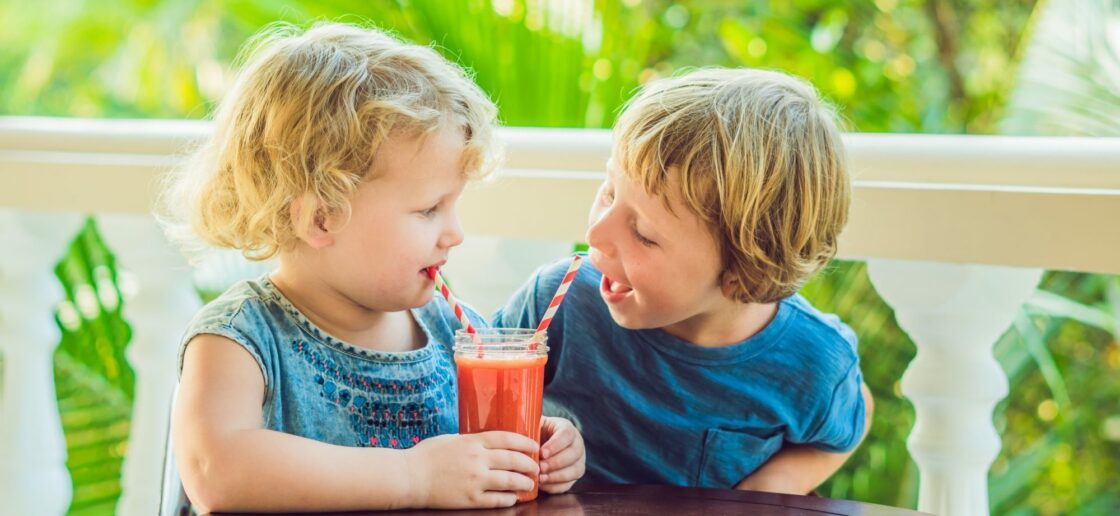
653, 408
322, 388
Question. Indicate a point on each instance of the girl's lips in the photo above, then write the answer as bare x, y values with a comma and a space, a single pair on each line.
431, 270
613, 291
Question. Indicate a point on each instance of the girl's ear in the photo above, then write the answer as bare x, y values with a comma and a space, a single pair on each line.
309, 220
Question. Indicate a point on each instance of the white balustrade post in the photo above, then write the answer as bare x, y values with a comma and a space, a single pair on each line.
33, 474
954, 314
159, 310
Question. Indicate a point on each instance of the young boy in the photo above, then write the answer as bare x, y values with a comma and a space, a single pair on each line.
684, 353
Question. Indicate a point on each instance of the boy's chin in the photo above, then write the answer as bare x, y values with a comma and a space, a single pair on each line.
627, 321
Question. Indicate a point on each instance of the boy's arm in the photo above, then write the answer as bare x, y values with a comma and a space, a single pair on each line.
800, 468
228, 462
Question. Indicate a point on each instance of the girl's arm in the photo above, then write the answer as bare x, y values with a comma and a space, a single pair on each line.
800, 468
228, 462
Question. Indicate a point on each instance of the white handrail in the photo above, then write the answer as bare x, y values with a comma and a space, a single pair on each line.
1019, 201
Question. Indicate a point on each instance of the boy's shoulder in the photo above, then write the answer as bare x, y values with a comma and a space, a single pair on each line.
526, 307
819, 331
547, 279
584, 288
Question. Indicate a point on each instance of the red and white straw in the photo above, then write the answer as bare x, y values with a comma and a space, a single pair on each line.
556, 299
460, 314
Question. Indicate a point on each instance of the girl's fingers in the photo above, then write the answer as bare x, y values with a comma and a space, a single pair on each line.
494, 499
508, 481
505, 460
497, 440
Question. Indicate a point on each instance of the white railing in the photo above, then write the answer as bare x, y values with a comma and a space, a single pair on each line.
955, 229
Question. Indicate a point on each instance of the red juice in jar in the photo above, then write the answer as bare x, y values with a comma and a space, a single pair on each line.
501, 384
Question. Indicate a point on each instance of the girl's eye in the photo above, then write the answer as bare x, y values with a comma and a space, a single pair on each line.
430, 211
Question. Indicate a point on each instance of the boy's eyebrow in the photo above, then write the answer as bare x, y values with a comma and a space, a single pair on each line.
652, 227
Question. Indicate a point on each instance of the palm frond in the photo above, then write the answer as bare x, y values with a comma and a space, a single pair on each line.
1036, 344
95, 419
1068, 84
1069, 79
1056, 305
94, 382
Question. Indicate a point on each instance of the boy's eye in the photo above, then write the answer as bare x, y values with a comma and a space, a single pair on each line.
430, 211
641, 239
607, 196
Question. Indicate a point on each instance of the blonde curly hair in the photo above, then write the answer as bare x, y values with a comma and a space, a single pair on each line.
758, 158
304, 121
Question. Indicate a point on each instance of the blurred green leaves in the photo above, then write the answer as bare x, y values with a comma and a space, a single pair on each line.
94, 381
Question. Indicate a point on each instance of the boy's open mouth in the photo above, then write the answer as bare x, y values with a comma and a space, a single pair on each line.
613, 291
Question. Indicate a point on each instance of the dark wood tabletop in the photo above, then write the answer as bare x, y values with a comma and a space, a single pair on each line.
594, 499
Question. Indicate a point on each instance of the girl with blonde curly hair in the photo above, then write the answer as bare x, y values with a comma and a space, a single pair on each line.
328, 384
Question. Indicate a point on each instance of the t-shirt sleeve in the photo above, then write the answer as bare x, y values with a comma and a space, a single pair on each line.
842, 422
223, 321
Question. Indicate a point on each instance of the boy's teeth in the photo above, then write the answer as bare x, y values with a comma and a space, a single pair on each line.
616, 287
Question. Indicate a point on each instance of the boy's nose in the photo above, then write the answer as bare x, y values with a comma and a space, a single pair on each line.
597, 237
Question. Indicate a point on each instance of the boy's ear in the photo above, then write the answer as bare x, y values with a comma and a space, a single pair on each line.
728, 284
309, 219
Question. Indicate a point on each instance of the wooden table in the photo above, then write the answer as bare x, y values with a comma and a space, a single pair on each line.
593, 499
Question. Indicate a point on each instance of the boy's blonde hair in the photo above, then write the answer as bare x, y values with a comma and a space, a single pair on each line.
757, 156
304, 121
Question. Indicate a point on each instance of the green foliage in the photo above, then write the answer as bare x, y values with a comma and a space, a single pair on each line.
94, 382
93, 306
900, 66
936, 66
1059, 451
543, 66
885, 350
1064, 397
95, 419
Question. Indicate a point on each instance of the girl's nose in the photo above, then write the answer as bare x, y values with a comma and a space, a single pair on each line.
452, 232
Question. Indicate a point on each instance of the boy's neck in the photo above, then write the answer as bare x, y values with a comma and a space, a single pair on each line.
346, 320
725, 326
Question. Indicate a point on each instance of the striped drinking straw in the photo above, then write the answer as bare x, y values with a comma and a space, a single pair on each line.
555, 304
441, 285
